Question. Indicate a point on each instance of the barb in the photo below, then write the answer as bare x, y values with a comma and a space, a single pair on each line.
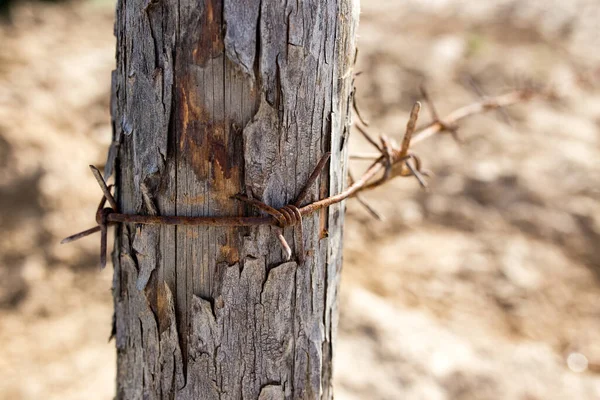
290, 215
410, 129
452, 128
487, 104
366, 135
354, 91
372, 211
299, 234
355, 107
105, 189
284, 244
80, 235
388, 152
479, 91
103, 240
313, 177
417, 174
432, 109
101, 214
391, 155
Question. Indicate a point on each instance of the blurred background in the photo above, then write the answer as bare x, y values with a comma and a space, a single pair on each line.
487, 286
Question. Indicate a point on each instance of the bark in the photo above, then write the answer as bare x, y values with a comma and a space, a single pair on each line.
210, 99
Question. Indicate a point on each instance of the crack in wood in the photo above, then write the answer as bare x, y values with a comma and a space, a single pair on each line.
198, 313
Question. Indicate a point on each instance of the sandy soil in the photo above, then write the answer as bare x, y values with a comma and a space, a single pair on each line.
484, 287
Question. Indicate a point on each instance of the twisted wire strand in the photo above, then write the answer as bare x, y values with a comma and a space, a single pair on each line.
291, 215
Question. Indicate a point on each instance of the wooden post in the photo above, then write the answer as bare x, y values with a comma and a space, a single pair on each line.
212, 98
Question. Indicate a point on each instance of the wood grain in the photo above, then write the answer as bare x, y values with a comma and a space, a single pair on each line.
211, 99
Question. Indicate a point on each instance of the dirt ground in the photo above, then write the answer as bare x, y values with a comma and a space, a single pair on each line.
486, 286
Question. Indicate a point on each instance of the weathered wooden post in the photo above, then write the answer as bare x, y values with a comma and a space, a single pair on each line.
212, 98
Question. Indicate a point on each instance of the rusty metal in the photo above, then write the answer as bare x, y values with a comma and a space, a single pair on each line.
411, 126
388, 152
103, 237
105, 189
354, 91
284, 244
80, 235
286, 216
487, 104
290, 215
452, 128
368, 207
368, 137
391, 160
275, 213
482, 96
417, 174
299, 233
356, 108
313, 177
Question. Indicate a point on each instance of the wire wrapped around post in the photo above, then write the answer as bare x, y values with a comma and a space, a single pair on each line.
392, 160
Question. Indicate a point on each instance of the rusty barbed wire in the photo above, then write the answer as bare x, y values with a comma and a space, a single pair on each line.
452, 128
391, 159
481, 106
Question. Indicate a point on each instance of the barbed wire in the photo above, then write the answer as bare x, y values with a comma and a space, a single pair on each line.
391, 161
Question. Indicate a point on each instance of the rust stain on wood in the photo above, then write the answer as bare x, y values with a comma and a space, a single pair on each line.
194, 200
194, 123
164, 306
210, 42
220, 155
192, 233
209, 145
203, 140
229, 254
